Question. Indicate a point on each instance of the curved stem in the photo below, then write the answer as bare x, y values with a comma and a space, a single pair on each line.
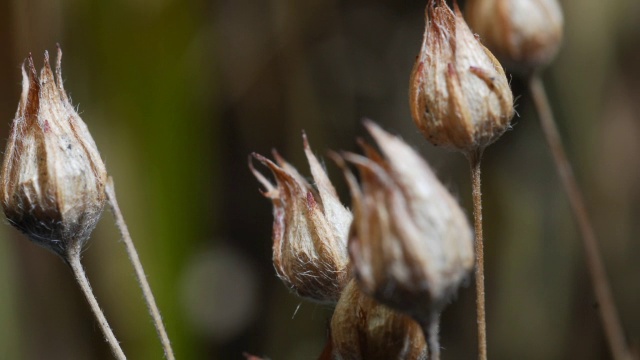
607, 309
140, 275
474, 161
78, 271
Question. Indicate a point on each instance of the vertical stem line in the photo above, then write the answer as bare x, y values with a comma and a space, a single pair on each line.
474, 161
607, 308
140, 275
78, 271
431, 332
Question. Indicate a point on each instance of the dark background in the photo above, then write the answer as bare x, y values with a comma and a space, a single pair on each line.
178, 93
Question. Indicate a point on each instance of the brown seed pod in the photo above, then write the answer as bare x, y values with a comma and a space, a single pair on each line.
309, 230
524, 34
410, 243
459, 94
363, 329
53, 178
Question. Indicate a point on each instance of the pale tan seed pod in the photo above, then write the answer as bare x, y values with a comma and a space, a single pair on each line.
524, 34
310, 229
459, 94
53, 179
363, 329
410, 243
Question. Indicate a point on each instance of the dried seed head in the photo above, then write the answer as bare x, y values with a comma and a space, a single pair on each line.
410, 243
309, 230
53, 178
524, 34
363, 329
459, 94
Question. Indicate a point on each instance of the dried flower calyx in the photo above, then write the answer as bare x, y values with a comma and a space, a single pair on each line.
459, 94
310, 229
410, 242
363, 329
52, 178
524, 34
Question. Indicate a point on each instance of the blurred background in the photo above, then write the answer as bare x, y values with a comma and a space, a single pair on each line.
178, 93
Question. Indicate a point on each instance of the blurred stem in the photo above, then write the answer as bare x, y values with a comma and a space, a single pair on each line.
78, 271
140, 275
602, 289
474, 161
431, 331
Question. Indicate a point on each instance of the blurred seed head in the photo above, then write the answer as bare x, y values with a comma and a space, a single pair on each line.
410, 243
459, 94
52, 177
524, 34
363, 329
309, 230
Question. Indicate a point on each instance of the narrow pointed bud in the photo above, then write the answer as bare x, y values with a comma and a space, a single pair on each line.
53, 179
524, 34
410, 243
363, 329
309, 230
459, 94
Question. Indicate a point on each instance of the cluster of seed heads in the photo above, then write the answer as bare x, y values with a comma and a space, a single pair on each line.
409, 243
392, 263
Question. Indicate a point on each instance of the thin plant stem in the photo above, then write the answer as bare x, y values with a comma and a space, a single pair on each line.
431, 332
474, 161
81, 277
607, 308
140, 275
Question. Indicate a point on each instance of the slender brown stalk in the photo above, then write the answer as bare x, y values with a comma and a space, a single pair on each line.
607, 308
140, 275
78, 271
474, 161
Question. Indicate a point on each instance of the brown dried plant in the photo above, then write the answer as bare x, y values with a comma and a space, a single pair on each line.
526, 35
460, 99
54, 185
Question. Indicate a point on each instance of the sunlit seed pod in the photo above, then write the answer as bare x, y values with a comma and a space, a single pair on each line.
309, 230
459, 94
410, 243
53, 179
